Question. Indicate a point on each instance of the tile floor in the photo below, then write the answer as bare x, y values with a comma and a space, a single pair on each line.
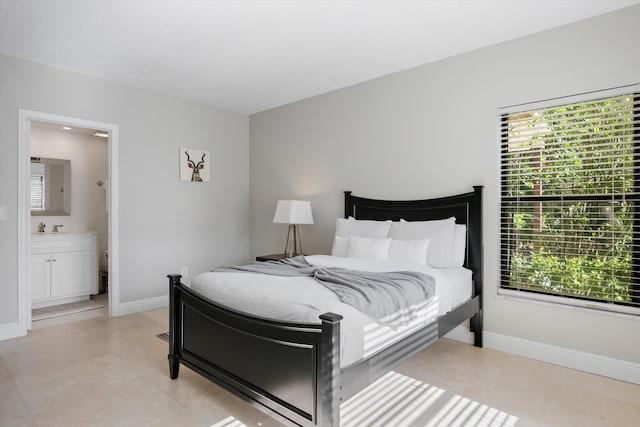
97, 371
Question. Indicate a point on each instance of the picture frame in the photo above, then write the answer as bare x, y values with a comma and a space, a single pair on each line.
194, 165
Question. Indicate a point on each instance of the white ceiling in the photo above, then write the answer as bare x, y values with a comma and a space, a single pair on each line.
250, 56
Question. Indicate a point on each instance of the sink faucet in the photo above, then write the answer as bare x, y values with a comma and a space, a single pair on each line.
41, 227
56, 227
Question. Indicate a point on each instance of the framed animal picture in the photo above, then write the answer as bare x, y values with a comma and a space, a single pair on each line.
194, 165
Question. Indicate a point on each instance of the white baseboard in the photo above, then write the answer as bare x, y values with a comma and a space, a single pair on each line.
10, 330
124, 308
587, 362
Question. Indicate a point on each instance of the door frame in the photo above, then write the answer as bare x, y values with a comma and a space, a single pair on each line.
24, 208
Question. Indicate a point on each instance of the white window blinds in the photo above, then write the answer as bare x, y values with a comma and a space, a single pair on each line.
570, 192
37, 192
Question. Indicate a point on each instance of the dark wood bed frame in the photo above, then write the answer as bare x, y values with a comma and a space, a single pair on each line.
292, 371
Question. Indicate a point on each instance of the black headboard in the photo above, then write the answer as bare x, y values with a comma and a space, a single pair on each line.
467, 208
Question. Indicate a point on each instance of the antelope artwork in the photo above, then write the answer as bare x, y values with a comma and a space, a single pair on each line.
195, 175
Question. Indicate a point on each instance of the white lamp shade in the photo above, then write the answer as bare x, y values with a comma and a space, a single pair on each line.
293, 212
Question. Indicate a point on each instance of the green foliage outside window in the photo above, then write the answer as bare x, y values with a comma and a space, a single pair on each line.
581, 244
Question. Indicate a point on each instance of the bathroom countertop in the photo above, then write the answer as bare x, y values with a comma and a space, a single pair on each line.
62, 233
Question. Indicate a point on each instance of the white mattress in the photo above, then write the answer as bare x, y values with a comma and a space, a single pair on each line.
302, 299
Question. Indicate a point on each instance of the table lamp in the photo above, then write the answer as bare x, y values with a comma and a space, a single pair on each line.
293, 212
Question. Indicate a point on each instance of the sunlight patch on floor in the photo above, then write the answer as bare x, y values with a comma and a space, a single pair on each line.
394, 399
229, 422
398, 400
460, 411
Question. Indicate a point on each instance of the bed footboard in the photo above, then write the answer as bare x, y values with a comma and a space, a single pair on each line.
291, 371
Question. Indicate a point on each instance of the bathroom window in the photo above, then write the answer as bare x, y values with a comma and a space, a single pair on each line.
37, 192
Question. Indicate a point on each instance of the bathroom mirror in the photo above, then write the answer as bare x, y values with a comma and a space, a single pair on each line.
50, 187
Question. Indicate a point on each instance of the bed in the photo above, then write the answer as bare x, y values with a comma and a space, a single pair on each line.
292, 370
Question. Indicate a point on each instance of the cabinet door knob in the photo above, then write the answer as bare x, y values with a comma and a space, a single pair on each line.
48, 260
53, 260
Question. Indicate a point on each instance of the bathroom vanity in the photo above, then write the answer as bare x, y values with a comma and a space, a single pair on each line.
64, 267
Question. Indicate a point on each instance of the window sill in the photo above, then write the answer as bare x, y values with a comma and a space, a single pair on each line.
570, 303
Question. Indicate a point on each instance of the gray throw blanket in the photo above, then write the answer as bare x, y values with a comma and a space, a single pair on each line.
389, 297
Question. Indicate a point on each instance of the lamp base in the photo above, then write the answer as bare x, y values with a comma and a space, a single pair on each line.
294, 244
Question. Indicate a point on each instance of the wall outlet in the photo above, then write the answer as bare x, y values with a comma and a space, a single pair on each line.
184, 271
3, 213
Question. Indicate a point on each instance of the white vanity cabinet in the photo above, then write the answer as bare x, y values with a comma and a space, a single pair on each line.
64, 268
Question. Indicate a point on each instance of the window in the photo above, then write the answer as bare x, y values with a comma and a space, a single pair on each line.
37, 192
570, 202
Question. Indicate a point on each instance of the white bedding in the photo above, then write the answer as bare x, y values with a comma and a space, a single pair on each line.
302, 299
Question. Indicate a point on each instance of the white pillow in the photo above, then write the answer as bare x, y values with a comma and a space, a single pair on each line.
414, 251
362, 228
368, 247
340, 246
355, 227
459, 244
439, 232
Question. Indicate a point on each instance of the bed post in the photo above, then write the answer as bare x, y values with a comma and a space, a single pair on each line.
475, 224
347, 204
328, 397
175, 327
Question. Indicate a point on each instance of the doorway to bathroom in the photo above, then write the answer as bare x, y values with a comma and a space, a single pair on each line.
69, 222
87, 216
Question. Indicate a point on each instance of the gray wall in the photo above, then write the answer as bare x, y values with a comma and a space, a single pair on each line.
164, 223
432, 131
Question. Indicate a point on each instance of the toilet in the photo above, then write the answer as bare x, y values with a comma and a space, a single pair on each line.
104, 272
